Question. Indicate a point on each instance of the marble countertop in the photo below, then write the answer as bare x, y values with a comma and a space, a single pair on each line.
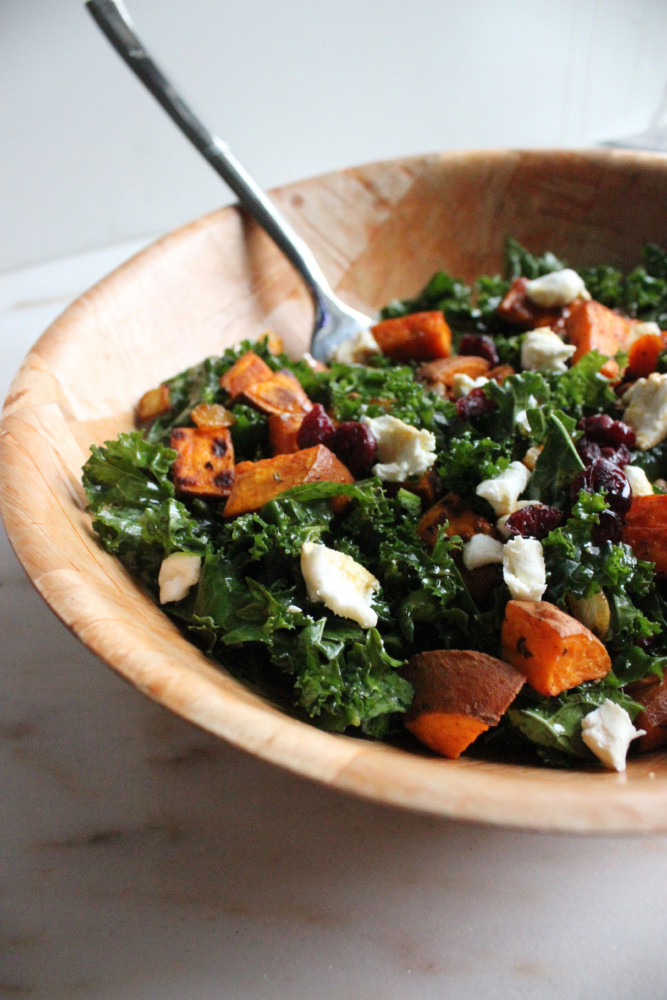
143, 859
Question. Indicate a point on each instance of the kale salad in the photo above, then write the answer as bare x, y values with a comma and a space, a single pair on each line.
452, 536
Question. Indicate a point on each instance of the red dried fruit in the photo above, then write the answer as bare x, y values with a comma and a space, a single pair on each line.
356, 447
480, 345
316, 428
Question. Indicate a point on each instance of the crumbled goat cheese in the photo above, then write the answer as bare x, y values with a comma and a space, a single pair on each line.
339, 582
543, 350
640, 484
559, 288
463, 384
481, 550
356, 350
178, 573
524, 570
504, 490
608, 732
403, 450
646, 409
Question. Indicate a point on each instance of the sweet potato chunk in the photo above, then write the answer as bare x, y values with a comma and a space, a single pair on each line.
591, 326
554, 651
255, 483
416, 337
643, 355
283, 432
653, 717
205, 463
645, 530
516, 308
281, 393
153, 404
444, 370
248, 369
462, 520
459, 694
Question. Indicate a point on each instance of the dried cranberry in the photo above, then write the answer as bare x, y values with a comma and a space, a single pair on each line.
474, 404
480, 345
589, 451
355, 445
603, 476
316, 428
607, 431
610, 528
534, 521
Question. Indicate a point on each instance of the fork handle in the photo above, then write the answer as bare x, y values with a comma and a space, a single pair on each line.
114, 21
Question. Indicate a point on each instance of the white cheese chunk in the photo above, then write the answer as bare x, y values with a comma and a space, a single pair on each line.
463, 384
524, 570
646, 409
559, 288
356, 350
543, 350
339, 582
503, 491
640, 484
608, 732
403, 450
178, 573
481, 550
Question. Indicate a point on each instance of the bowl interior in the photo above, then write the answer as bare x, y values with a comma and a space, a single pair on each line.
379, 232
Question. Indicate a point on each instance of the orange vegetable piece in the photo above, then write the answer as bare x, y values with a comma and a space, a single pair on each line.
444, 370
554, 650
248, 369
459, 694
153, 404
204, 466
416, 337
273, 341
461, 520
652, 694
255, 483
643, 355
283, 432
281, 393
516, 308
591, 326
645, 530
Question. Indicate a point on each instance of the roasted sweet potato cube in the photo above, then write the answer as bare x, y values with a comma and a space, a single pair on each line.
516, 308
283, 432
643, 354
652, 694
554, 650
590, 326
273, 341
461, 520
248, 369
443, 371
416, 337
205, 463
459, 693
645, 530
153, 404
281, 393
255, 483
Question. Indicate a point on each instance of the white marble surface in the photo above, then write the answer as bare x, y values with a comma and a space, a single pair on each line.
142, 859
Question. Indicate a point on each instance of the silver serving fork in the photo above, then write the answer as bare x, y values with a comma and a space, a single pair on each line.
334, 321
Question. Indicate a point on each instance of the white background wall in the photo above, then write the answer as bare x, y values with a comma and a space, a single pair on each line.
297, 87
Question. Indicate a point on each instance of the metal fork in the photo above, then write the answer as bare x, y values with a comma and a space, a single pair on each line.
334, 321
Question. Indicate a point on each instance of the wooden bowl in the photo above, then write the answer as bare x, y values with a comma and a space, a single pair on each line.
379, 232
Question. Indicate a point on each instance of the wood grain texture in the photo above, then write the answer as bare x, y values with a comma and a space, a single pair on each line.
378, 232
